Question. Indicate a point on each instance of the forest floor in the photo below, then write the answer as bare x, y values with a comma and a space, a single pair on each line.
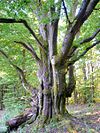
86, 120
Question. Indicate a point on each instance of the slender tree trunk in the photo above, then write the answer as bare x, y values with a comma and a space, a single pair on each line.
92, 83
67, 101
75, 97
85, 80
1, 97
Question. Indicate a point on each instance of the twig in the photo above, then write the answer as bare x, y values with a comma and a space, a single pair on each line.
91, 37
65, 9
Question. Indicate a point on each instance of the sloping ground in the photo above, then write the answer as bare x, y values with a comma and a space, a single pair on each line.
86, 120
2, 124
88, 116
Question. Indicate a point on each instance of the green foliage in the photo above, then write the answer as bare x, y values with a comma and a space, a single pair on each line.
14, 103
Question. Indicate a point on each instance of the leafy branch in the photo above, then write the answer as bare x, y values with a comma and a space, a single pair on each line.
84, 52
24, 22
85, 11
30, 48
85, 41
91, 37
20, 72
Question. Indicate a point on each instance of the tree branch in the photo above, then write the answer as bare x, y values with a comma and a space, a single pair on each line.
96, 8
84, 41
74, 48
90, 8
84, 52
39, 2
65, 9
82, 9
83, 15
24, 22
3, 53
20, 72
30, 49
91, 37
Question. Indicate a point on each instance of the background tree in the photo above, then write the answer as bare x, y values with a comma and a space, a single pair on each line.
87, 77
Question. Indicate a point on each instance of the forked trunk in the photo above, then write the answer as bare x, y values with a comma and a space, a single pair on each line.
52, 98
58, 88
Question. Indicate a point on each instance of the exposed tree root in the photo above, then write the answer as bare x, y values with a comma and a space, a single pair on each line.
30, 116
57, 122
14, 123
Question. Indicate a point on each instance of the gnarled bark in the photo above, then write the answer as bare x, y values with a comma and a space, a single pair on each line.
29, 114
14, 123
72, 82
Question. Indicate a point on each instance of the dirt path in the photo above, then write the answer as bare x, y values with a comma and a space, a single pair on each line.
89, 117
86, 120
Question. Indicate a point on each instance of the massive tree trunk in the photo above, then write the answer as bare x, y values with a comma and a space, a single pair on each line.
50, 98
59, 89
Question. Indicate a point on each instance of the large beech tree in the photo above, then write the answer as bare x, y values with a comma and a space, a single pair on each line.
53, 64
